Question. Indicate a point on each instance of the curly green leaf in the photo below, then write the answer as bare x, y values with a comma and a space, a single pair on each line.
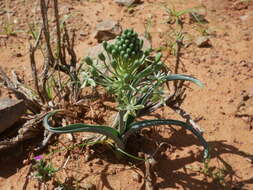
183, 77
80, 127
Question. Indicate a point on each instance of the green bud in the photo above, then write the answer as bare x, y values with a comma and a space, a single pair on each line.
127, 41
94, 72
126, 56
116, 47
158, 57
122, 53
129, 34
101, 56
141, 44
126, 31
128, 50
117, 43
121, 41
105, 45
137, 41
147, 52
137, 47
110, 48
160, 63
114, 52
124, 36
135, 35
88, 60
114, 64
120, 48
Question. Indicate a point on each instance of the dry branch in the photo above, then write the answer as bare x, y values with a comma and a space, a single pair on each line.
33, 66
19, 93
28, 130
148, 174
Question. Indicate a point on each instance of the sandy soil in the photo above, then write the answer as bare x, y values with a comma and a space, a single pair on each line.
223, 108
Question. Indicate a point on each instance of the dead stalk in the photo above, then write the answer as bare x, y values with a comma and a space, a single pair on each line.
33, 66
41, 102
148, 174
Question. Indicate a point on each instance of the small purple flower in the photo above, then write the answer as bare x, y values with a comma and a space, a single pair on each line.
38, 158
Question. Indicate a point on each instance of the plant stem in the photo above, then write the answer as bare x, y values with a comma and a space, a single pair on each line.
121, 121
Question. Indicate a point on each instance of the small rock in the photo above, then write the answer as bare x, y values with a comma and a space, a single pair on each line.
98, 161
230, 100
87, 157
90, 170
18, 55
125, 2
84, 34
107, 30
113, 171
70, 136
203, 41
136, 177
10, 112
152, 162
250, 160
26, 162
244, 17
240, 5
196, 17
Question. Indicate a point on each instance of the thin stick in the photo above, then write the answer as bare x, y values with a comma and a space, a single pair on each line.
188, 118
33, 66
148, 179
46, 31
58, 31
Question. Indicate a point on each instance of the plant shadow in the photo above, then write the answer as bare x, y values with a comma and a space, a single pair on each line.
173, 172
13, 158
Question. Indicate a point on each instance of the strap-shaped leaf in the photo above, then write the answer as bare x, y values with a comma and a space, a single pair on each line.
80, 127
171, 78
150, 123
183, 77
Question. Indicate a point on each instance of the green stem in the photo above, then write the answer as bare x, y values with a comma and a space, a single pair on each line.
121, 122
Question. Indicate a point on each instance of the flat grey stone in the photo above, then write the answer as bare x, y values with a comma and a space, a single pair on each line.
125, 2
10, 112
107, 30
247, 17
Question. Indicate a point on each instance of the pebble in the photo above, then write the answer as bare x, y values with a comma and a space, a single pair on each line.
89, 186
136, 177
98, 161
107, 30
203, 41
125, 2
